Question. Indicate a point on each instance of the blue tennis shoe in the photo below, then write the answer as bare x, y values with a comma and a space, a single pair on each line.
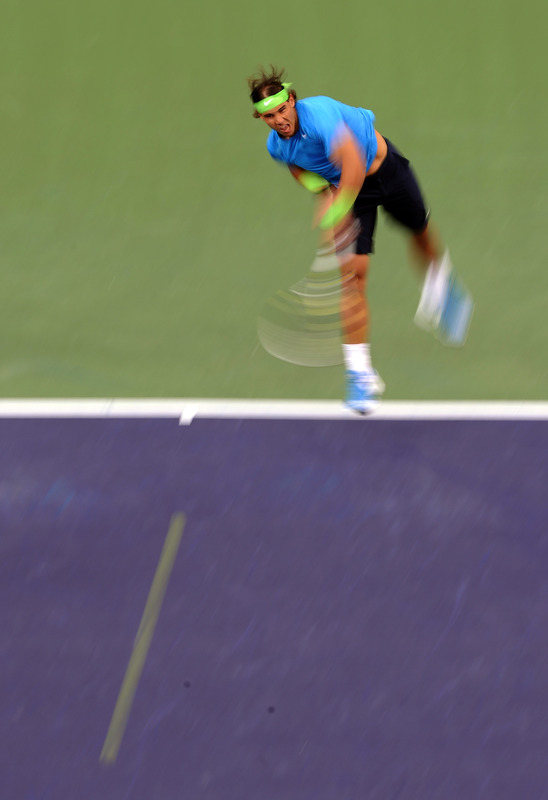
456, 313
446, 305
363, 390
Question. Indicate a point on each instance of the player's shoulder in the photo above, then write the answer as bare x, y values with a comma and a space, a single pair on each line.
318, 116
319, 111
316, 103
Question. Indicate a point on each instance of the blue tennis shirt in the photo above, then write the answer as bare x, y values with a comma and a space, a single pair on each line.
322, 120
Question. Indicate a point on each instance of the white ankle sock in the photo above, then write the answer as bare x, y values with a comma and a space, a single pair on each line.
357, 357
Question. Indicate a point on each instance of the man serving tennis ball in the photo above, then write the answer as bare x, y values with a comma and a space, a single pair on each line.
334, 151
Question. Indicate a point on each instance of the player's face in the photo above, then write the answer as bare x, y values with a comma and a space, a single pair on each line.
283, 118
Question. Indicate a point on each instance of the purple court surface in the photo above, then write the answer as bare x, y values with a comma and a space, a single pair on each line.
355, 611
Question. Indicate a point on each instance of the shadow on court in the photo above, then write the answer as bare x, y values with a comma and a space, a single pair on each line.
354, 611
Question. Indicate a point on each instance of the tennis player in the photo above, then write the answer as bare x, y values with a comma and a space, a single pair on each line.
334, 150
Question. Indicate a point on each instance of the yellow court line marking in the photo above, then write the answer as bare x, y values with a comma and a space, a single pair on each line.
143, 639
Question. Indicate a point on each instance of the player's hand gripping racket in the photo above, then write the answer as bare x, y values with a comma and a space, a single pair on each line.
302, 324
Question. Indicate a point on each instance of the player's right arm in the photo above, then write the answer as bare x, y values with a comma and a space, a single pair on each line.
310, 180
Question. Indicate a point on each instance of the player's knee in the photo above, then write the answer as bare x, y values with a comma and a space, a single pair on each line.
355, 270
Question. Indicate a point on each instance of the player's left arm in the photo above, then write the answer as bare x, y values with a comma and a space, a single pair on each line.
347, 157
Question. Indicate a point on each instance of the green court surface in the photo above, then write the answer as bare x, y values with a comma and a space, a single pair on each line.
143, 224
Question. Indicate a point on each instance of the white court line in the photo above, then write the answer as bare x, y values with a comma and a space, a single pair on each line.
187, 409
329, 409
88, 408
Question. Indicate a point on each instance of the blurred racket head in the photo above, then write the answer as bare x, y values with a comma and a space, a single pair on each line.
342, 243
302, 324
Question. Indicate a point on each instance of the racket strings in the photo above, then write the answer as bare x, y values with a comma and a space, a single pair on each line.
302, 324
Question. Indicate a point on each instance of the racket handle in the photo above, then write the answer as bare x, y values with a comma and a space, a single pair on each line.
341, 243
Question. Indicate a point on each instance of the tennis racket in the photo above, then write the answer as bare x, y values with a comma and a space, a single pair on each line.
302, 324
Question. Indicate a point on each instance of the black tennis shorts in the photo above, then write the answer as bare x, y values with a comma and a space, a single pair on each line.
395, 188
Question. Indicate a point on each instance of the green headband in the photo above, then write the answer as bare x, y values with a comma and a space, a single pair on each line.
268, 103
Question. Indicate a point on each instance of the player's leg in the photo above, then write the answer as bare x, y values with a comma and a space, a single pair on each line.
445, 306
426, 247
363, 384
435, 268
354, 303
404, 202
428, 255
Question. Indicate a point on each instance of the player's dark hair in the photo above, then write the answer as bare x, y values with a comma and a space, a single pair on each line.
265, 84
